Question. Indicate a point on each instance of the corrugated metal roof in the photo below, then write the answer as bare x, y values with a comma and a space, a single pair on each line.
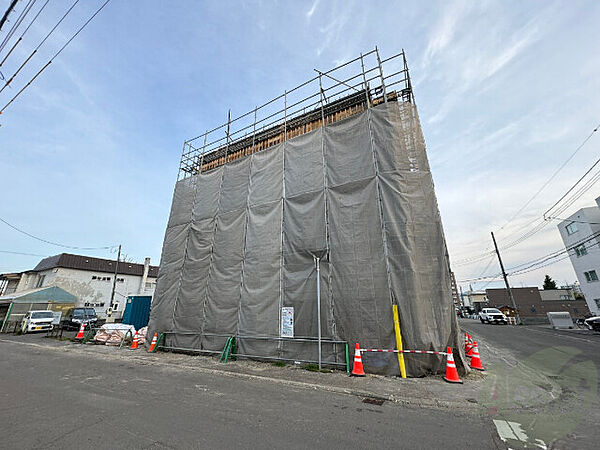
81, 262
40, 295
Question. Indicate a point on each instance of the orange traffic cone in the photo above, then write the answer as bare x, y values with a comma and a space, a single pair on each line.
81, 330
135, 342
469, 346
357, 369
475, 360
153, 343
451, 372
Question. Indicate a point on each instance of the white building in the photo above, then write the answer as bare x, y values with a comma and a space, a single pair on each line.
89, 279
581, 236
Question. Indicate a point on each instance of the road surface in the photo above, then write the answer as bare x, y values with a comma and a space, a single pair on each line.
63, 399
544, 380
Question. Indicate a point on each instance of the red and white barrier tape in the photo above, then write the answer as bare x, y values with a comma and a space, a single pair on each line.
426, 352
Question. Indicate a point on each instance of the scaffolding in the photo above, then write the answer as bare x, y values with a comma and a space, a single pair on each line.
319, 202
330, 96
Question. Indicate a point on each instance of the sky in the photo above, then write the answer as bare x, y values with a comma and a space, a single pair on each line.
89, 153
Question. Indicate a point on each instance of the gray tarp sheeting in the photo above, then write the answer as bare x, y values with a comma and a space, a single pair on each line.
358, 193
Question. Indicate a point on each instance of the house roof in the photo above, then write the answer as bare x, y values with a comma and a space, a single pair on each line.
40, 295
80, 262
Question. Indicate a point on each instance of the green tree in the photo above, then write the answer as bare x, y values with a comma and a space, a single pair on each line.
549, 283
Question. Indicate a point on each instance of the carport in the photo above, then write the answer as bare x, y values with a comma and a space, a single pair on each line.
14, 306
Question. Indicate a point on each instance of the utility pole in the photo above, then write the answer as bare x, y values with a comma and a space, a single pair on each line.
114, 287
510, 295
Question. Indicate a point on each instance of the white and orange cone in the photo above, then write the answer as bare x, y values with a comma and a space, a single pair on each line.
153, 343
357, 368
135, 342
475, 359
451, 372
81, 331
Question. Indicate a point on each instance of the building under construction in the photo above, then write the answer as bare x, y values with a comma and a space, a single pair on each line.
296, 226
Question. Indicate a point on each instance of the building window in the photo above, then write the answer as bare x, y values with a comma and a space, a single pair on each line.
571, 228
40, 281
580, 250
590, 276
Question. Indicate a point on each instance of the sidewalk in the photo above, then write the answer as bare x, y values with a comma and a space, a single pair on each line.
431, 391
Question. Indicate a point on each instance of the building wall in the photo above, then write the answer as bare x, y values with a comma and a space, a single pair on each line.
557, 295
589, 261
530, 304
91, 288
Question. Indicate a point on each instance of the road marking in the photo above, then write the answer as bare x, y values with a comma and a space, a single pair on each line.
564, 335
514, 431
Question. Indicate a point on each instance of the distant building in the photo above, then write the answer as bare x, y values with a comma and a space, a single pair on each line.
581, 236
533, 303
89, 279
476, 299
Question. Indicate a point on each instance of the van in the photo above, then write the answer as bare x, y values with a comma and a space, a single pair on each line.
37, 321
76, 316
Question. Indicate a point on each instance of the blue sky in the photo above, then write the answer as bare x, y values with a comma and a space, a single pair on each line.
89, 153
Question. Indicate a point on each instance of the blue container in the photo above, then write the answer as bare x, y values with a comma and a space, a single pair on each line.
137, 311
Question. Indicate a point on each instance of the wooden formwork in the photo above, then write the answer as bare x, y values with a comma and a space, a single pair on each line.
295, 126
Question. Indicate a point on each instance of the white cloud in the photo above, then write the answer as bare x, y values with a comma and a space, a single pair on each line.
312, 9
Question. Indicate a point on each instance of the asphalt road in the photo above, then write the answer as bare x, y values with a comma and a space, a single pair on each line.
51, 399
545, 380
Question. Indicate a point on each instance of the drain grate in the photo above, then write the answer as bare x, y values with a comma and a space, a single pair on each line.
373, 401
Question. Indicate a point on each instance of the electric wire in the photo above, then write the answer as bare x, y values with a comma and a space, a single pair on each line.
55, 55
10, 8
556, 172
38, 47
14, 227
16, 25
23, 34
542, 222
22, 253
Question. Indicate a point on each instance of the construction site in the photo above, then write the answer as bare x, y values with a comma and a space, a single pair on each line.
297, 228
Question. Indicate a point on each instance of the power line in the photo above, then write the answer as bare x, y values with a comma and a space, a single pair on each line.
55, 55
53, 243
21, 253
12, 5
541, 225
562, 166
16, 25
573, 220
23, 34
38, 47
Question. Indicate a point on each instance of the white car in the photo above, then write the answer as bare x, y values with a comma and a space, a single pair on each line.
492, 315
37, 321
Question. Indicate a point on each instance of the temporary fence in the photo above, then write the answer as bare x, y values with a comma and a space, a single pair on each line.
230, 349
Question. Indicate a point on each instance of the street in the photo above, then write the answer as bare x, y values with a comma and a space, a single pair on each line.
545, 380
70, 397
539, 390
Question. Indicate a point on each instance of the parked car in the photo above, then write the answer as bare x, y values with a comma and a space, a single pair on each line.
37, 321
593, 323
76, 316
492, 315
